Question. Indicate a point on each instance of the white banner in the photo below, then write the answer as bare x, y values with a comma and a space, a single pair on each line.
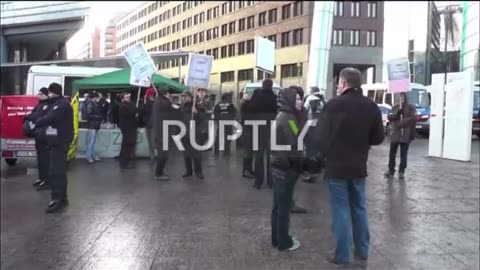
140, 61
199, 69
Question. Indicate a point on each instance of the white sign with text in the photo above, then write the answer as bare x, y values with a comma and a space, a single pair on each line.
140, 61
199, 70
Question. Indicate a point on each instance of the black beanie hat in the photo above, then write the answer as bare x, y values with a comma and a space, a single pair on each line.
55, 88
43, 90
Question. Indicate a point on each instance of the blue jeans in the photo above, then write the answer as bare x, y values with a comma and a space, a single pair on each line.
347, 202
92, 136
283, 185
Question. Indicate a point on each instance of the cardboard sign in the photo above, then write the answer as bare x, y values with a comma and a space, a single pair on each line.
137, 82
199, 69
398, 75
140, 61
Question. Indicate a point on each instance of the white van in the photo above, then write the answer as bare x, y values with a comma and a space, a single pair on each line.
43, 76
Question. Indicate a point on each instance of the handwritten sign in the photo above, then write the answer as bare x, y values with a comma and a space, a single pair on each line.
398, 75
140, 61
199, 69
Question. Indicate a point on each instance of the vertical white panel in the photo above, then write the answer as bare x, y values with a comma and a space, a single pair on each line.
435, 141
320, 44
458, 116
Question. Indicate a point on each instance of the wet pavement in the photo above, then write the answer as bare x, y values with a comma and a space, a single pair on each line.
126, 220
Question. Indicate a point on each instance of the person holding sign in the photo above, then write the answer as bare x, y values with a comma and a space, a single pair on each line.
127, 115
403, 121
193, 161
163, 110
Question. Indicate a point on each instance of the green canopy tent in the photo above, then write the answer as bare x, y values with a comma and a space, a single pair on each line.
120, 79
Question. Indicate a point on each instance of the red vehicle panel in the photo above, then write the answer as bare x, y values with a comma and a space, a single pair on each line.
13, 111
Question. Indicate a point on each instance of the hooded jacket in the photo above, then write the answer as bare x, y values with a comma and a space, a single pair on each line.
288, 127
403, 123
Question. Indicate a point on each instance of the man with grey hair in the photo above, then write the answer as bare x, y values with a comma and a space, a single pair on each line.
349, 124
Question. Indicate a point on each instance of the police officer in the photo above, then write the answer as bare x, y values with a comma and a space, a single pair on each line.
58, 124
127, 116
224, 110
41, 145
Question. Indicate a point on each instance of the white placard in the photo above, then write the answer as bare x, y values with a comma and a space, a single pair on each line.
398, 75
140, 61
264, 54
137, 82
199, 70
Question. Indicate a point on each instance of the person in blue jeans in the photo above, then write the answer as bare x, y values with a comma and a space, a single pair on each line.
286, 167
348, 125
94, 121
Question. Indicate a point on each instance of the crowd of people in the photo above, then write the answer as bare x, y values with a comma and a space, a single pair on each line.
346, 128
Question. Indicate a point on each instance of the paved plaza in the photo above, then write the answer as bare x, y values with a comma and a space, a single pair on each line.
127, 220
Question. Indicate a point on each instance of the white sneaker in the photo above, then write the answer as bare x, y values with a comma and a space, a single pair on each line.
295, 246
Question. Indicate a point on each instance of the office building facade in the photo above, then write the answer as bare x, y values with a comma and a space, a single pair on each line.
227, 30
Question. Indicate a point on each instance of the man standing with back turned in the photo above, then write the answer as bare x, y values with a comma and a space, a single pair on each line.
349, 124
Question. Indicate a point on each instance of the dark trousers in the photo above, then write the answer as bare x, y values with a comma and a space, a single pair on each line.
393, 155
192, 158
260, 166
283, 186
162, 158
228, 131
42, 160
57, 175
247, 152
127, 150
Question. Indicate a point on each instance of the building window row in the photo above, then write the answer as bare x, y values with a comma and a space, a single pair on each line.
264, 18
338, 37
355, 9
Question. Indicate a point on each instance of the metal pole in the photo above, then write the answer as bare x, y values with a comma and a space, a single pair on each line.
138, 96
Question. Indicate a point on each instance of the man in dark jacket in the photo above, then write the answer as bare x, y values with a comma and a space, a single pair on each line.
41, 144
105, 107
286, 167
247, 140
163, 110
94, 121
224, 110
147, 120
349, 124
59, 132
192, 157
403, 121
127, 116
263, 107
